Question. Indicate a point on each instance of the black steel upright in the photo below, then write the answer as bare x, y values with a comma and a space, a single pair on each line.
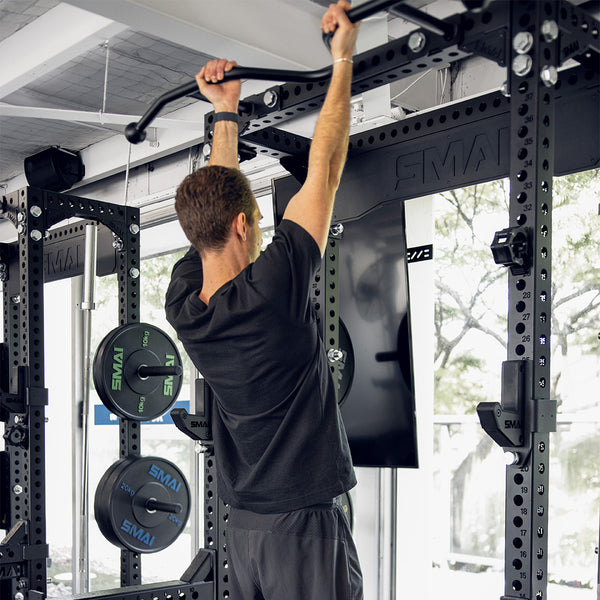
24, 266
533, 74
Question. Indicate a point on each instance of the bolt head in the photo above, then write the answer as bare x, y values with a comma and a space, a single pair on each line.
549, 30
337, 229
18, 489
522, 65
134, 272
417, 41
549, 75
523, 42
35, 211
270, 98
334, 355
36, 235
134, 228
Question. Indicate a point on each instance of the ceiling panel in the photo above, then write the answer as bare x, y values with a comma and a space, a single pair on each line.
140, 67
15, 14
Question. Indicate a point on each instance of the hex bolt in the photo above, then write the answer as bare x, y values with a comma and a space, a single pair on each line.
270, 98
15, 299
549, 30
549, 75
20, 217
17, 489
35, 211
334, 355
20, 228
134, 228
417, 41
511, 458
117, 243
19, 596
134, 272
36, 235
504, 90
522, 65
336, 229
523, 42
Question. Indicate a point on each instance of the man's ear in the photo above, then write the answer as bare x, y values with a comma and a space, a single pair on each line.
240, 225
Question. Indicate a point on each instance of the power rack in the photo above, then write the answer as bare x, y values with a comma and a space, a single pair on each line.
545, 123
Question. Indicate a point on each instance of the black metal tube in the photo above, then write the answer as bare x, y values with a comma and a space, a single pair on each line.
170, 507
145, 371
135, 132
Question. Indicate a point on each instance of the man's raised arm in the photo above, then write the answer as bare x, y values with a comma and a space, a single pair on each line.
225, 98
312, 206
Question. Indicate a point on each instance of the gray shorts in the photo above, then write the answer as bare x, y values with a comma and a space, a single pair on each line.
306, 554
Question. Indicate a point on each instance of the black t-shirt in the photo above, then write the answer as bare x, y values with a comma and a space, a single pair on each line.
279, 440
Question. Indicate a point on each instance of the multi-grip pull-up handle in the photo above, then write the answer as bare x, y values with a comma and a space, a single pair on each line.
135, 132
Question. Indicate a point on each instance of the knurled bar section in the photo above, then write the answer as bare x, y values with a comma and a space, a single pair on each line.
531, 170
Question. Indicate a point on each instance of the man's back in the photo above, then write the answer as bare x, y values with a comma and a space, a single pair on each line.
278, 435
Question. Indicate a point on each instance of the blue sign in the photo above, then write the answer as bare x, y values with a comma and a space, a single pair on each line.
103, 416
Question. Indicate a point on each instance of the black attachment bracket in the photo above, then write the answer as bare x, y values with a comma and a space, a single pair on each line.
511, 248
197, 426
506, 422
201, 568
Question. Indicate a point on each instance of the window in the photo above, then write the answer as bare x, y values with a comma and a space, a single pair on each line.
470, 332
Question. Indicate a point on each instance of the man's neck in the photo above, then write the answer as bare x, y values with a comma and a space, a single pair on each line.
218, 268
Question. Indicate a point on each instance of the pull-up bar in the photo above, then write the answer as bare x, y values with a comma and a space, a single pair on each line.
135, 132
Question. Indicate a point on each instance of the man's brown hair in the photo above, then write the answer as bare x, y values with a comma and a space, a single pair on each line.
208, 200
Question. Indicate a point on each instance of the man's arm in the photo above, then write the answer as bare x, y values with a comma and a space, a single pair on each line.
224, 98
312, 206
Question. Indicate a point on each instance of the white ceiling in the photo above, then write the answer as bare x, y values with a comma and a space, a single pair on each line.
73, 73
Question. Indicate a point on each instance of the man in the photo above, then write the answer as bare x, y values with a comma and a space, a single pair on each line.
246, 320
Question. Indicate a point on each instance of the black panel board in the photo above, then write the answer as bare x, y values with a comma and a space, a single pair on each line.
379, 408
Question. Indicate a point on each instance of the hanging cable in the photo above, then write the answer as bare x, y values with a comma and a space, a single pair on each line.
104, 93
127, 175
413, 83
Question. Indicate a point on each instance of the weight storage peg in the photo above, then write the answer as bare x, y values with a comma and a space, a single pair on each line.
138, 372
142, 503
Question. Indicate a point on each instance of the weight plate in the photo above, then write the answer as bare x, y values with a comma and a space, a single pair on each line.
121, 504
117, 380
